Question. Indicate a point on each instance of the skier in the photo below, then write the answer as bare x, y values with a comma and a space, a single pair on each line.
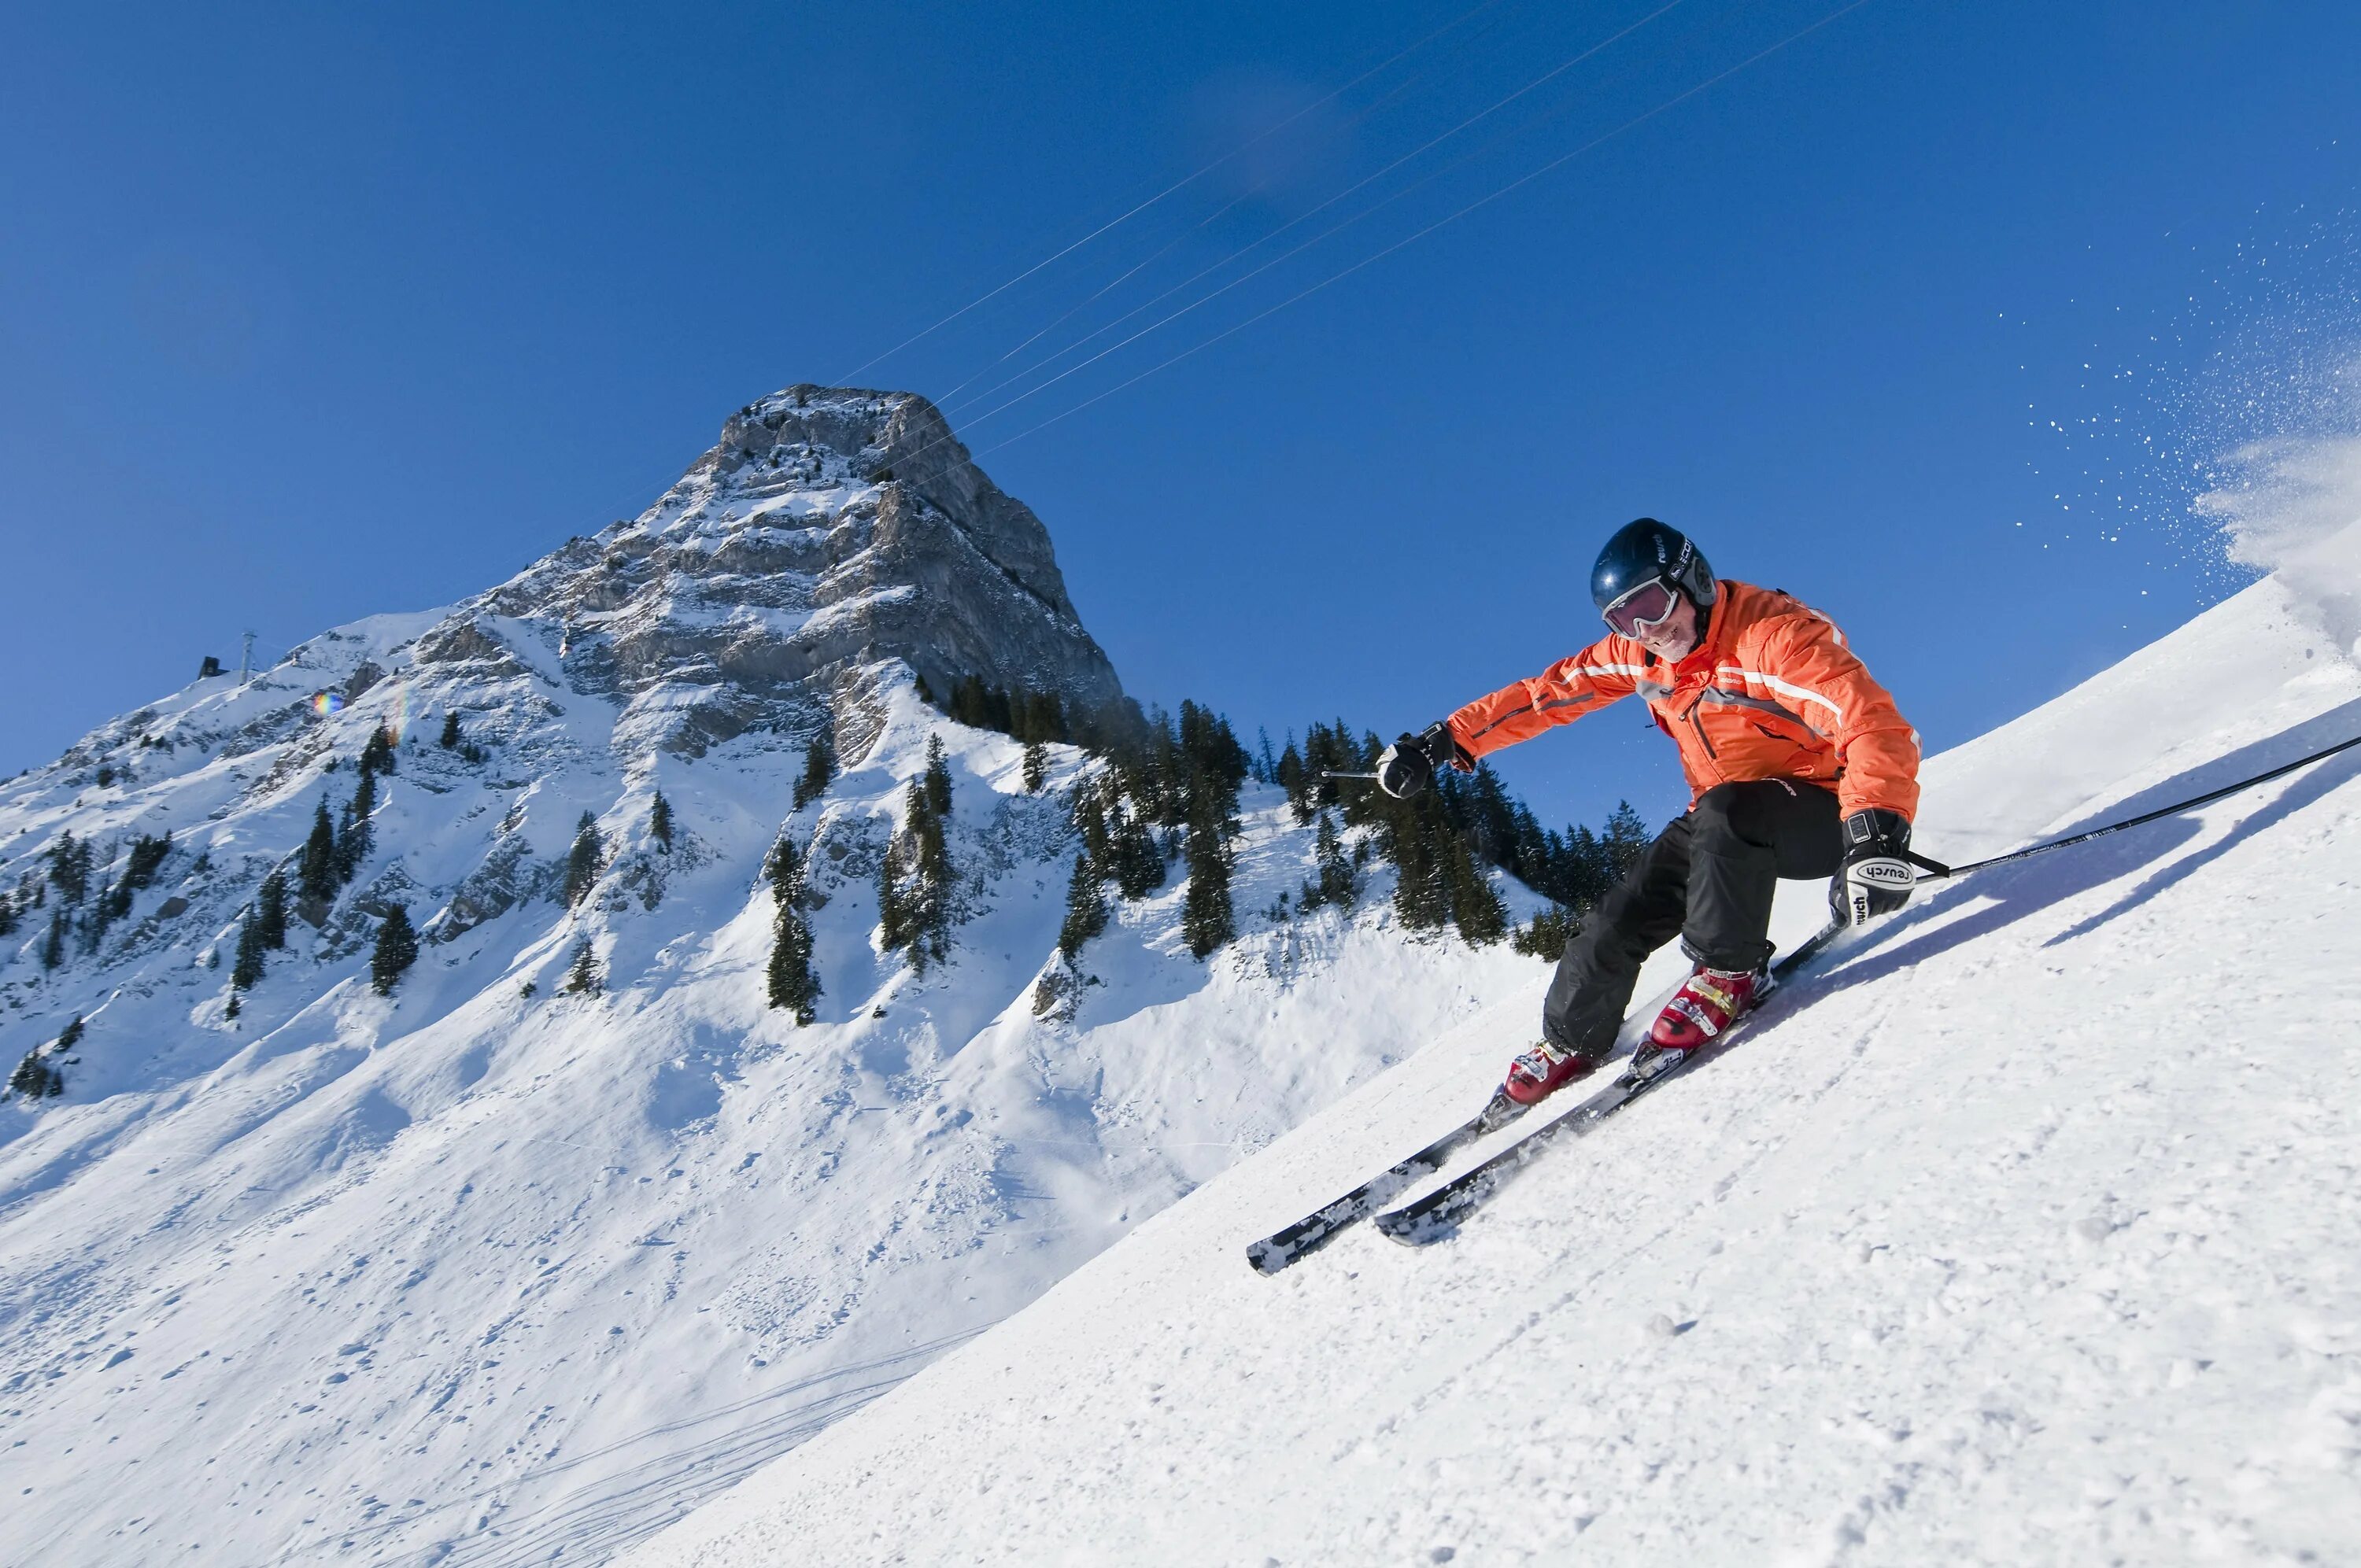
1798, 767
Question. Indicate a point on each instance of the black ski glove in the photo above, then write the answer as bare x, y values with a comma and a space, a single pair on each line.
1876, 880
1409, 764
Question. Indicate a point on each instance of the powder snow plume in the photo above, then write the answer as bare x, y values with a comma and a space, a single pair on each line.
2293, 507
2223, 440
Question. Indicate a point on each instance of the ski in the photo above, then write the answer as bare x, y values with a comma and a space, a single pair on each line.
1315, 1230
1437, 1215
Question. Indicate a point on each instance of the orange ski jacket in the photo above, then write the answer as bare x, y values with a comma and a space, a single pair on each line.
1771, 693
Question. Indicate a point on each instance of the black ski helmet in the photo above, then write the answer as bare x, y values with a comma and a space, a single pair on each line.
1647, 550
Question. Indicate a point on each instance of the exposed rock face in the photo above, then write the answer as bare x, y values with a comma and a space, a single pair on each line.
829, 532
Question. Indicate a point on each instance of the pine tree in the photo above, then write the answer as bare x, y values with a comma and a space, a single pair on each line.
271, 910
582, 976
793, 984
1581, 873
1036, 766
1475, 909
1333, 880
1090, 823
1207, 918
892, 923
1422, 896
146, 855
582, 863
660, 822
247, 970
1292, 775
1486, 812
233, 1009
1138, 864
396, 949
1213, 764
1086, 909
35, 1079
783, 867
315, 872
449, 739
1041, 716
939, 778
820, 768
915, 915
1547, 938
1624, 839
353, 844
53, 946
928, 902
970, 703
68, 1037
377, 756
70, 867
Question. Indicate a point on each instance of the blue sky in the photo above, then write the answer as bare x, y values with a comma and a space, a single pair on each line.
308, 313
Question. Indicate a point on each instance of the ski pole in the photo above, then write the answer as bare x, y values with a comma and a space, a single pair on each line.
1937, 871
1332, 773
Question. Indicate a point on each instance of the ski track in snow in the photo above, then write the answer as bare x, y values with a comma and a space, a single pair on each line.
2022, 1231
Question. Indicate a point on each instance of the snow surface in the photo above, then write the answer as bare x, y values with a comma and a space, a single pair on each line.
470, 1276
2025, 1232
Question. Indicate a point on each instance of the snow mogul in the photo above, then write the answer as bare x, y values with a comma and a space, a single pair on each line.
1798, 767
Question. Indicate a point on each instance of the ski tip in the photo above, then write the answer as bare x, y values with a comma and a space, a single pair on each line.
1268, 1256
1416, 1230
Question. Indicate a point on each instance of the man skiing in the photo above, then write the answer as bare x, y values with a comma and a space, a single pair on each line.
1798, 765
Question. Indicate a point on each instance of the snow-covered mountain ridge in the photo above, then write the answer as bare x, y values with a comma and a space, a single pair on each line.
480, 1270
2023, 1232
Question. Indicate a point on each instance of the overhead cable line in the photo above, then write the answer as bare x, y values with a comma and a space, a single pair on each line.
1288, 255
1412, 239
1088, 300
1376, 70
952, 439
1177, 185
944, 401
1481, 114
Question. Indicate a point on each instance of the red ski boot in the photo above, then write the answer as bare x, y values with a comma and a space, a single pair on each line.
1711, 1001
1543, 1070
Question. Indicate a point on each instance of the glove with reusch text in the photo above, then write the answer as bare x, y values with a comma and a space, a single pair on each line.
1407, 765
1876, 878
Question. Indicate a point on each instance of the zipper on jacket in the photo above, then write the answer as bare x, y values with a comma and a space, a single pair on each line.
1698, 725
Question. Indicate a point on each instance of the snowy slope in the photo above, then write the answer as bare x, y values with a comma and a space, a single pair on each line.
373, 1278
2027, 1233
482, 1272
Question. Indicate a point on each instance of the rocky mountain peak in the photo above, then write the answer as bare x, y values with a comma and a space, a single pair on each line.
829, 532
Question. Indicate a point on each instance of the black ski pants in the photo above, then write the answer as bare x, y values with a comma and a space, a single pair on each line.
1708, 879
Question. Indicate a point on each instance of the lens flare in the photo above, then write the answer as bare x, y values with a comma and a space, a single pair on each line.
327, 704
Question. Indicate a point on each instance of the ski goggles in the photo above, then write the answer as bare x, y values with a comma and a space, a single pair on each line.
1642, 609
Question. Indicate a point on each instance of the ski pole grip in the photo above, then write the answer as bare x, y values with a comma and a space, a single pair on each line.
1935, 870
